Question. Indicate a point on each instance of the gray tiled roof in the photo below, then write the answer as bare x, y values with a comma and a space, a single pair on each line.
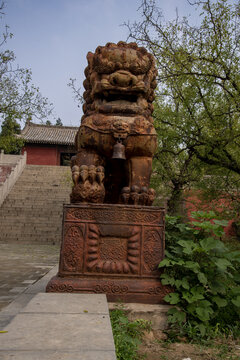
48, 134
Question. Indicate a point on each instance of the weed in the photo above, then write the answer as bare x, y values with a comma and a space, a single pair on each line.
127, 334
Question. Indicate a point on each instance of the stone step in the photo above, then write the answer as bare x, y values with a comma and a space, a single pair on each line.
64, 176
35, 204
39, 195
26, 222
28, 237
20, 203
41, 198
29, 230
33, 240
44, 182
47, 217
17, 216
33, 212
33, 209
51, 172
38, 187
30, 221
44, 194
55, 207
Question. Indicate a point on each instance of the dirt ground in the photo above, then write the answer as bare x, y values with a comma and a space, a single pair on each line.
156, 347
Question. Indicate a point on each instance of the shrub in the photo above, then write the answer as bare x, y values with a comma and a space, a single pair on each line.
204, 275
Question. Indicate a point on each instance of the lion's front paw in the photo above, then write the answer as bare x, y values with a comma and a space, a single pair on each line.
137, 195
88, 185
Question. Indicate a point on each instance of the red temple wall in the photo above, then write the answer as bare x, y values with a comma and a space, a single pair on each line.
41, 154
193, 202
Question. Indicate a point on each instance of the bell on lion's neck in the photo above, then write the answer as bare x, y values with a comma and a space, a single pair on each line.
119, 151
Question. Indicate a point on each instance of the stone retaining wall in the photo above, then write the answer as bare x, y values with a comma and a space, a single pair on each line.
11, 167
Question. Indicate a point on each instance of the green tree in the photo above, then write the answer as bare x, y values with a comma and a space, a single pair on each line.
59, 122
197, 105
19, 98
175, 168
8, 140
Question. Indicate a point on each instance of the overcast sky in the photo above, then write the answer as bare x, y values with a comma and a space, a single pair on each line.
52, 38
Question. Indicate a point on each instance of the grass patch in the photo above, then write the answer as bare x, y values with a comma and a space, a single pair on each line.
127, 334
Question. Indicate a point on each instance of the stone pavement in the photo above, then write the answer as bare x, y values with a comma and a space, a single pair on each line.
21, 300
21, 266
25, 271
60, 326
51, 326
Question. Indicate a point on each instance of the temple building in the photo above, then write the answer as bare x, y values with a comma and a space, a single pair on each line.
48, 144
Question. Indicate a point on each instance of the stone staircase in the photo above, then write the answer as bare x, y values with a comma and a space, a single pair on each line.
32, 212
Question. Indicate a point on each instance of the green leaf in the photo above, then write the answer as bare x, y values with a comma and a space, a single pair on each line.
188, 246
222, 264
234, 256
202, 278
172, 298
217, 287
222, 223
176, 315
203, 313
167, 280
164, 262
205, 303
203, 214
192, 266
178, 284
236, 278
210, 243
236, 301
219, 301
192, 296
202, 329
185, 283
235, 290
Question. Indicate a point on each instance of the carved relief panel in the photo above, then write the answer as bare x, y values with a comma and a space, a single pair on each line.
112, 251
71, 257
153, 249
114, 240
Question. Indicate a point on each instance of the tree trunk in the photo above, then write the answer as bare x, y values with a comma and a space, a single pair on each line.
174, 204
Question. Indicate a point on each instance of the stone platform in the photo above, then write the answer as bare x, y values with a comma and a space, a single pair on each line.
112, 249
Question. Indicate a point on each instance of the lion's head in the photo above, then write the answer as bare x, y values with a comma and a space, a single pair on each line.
120, 80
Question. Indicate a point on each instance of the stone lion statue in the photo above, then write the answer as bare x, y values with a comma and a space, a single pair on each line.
116, 140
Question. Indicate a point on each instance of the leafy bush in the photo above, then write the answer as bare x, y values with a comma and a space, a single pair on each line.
204, 275
127, 335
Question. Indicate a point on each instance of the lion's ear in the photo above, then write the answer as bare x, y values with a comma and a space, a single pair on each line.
90, 56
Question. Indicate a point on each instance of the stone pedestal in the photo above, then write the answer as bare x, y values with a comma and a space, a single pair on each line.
112, 249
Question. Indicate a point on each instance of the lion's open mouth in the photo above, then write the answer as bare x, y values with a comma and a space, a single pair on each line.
114, 102
111, 97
